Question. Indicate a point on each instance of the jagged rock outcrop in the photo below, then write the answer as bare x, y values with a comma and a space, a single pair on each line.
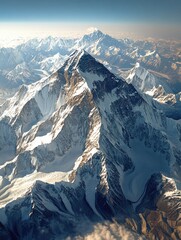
88, 148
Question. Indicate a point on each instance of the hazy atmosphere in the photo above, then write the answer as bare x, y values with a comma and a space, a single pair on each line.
120, 18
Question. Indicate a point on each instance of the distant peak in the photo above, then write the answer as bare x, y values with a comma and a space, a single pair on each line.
94, 31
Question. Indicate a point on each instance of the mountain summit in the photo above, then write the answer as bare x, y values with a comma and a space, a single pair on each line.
85, 147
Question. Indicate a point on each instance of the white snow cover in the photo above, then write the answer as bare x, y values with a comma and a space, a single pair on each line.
133, 183
156, 87
57, 150
51, 106
14, 191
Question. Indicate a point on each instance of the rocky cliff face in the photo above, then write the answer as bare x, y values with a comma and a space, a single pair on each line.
86, 148
156, 91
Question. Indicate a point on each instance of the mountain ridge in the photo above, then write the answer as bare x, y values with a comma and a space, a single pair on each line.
85, 153
39, 57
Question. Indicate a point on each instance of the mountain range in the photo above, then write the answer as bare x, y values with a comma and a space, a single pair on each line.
85, 146
36, 58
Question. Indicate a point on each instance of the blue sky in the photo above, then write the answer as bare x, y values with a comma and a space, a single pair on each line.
91, 10
95, 12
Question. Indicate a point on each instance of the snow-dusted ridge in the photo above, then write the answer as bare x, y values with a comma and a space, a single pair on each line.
84, 146
155, 90
37, 113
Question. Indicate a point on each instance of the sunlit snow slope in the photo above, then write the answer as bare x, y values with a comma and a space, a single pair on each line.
82, 145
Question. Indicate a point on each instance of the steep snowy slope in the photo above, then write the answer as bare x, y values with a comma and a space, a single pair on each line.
82, 146
156, 90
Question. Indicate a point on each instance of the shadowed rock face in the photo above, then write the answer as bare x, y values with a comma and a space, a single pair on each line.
91, 150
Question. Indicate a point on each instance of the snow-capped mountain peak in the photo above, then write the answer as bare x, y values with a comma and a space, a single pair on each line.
83, 145
155, 90
94, 33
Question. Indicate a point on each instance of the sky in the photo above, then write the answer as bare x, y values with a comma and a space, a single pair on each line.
149, 18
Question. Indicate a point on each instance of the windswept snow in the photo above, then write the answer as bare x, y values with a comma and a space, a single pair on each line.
13, 190
146, 163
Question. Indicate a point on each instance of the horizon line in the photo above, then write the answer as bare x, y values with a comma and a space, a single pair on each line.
78, 29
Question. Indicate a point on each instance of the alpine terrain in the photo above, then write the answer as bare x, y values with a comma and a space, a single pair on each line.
85, 147
37, 58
